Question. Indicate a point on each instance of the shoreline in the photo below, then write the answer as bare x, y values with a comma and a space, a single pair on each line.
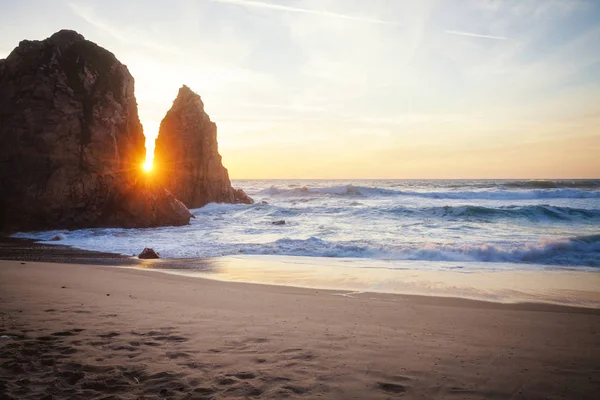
568, 288
572, 289
423, 299
82, 331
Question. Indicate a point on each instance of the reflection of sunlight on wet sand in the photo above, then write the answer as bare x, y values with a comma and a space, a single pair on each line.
577, 288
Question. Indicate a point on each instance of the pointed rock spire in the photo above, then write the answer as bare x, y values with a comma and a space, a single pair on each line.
187, 159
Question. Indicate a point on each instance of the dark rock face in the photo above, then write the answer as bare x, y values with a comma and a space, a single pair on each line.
148, 254
187, 160
144, 205
71, 143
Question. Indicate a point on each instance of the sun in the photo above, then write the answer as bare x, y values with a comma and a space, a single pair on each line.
147, 165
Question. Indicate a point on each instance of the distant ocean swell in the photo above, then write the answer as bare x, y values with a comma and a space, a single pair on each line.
531, 184
501, 194
536, 213
549, 184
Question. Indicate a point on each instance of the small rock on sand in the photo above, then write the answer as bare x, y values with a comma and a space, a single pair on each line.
148, 253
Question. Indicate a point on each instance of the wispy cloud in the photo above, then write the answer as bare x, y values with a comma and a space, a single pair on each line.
477, 35
138, 39
321, 13
258, 4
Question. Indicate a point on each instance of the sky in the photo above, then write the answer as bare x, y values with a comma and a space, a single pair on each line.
359, 89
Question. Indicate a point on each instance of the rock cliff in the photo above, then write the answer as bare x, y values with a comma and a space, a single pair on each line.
71, 143
186, 157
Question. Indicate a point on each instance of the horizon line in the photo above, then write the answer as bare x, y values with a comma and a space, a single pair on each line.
416, 179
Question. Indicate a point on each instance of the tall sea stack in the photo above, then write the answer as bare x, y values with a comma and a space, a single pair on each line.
71, 143
187, 160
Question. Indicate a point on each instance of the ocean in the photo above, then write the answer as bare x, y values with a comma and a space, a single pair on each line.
435, 224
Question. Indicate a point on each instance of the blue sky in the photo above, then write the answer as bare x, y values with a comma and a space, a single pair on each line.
360, 89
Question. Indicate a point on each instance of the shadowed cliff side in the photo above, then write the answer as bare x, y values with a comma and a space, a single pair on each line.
187, 160
71, 143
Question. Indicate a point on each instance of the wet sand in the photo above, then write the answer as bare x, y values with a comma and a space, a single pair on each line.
31, 250
496, 283
92, 332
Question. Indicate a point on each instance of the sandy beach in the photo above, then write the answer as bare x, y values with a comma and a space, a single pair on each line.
100, 332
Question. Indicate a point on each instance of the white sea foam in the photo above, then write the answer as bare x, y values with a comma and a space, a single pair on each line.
575, 251
434, 221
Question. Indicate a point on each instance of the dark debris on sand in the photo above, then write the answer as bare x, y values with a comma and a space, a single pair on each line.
29, 250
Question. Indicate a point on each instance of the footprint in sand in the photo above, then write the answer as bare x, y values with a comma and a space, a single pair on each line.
244, 375
391, 387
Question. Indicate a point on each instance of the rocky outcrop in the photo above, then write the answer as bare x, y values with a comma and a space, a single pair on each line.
71, 143
186, 158
145, 205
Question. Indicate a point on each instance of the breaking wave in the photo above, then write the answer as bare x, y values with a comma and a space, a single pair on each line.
581, 250
532, 213
573, 251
